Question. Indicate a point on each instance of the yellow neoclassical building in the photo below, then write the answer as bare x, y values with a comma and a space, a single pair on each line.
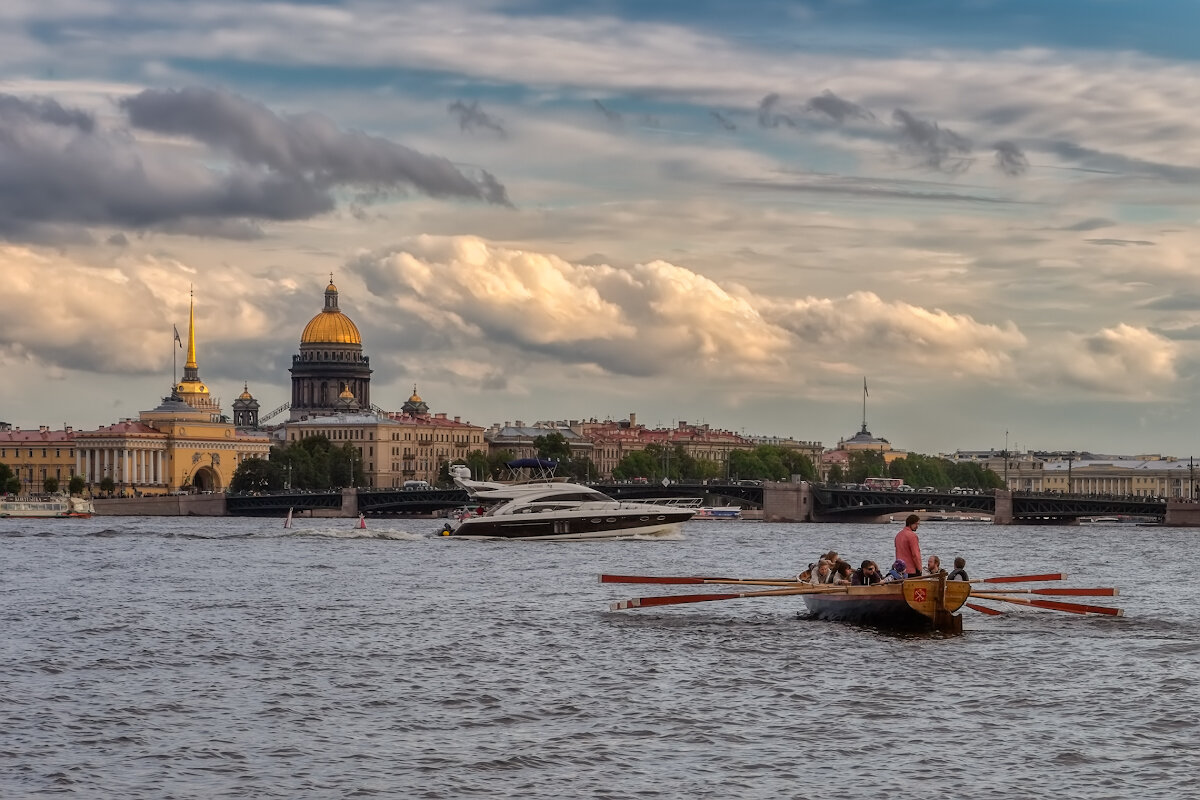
184, 444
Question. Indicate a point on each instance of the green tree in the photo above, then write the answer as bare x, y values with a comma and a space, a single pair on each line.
107, 484
497, 462
553, 446
77, 484
6, 477
50, 485
837, 474
865, 464
257, 475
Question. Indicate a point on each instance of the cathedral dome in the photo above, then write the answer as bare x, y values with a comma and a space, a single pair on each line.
331, 326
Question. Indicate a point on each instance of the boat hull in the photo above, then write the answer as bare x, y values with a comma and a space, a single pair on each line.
914, 603
600, 525
46, 509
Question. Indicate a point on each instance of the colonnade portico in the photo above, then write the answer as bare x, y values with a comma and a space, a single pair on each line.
127, 466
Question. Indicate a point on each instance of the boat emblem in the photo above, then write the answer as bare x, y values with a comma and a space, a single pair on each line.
919, 595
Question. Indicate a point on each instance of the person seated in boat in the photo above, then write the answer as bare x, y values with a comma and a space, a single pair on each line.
806, 574
933, 566
832, 557
866, 575
843, 573
823, 573
960, 570
896, 573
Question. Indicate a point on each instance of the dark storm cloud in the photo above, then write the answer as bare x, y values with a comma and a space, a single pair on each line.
471, 118
60, 170
1010, 160
14, 110
835, 107
1182, 301
870, 187
306, 146
769, 115
1099, 161
1121, 242
1090, 224
610, 115
936, 148
724, 121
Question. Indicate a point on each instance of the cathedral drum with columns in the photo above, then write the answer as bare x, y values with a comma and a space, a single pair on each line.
330, 364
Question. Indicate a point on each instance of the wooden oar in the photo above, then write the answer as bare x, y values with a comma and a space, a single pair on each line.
670, 600
984, 609
1050, 576
700, 579
1054, 605
1098, 592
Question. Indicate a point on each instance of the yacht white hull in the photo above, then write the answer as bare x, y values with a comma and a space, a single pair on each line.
526, 533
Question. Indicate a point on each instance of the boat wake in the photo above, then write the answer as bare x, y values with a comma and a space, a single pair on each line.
394, 534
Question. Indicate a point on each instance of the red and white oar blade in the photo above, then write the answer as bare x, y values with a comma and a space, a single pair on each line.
984, 609
1053, 605
1050, 576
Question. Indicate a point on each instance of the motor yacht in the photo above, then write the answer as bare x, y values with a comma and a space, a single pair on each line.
547, 508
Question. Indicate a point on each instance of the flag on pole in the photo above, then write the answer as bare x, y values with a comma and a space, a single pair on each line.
865, 392
178, 341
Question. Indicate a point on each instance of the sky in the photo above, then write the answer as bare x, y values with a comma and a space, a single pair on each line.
732, 213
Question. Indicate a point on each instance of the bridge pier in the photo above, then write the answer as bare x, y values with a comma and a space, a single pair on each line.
1003, 515
349, 502
1182, 514
787, 502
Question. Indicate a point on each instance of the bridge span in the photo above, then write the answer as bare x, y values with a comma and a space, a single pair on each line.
780, 502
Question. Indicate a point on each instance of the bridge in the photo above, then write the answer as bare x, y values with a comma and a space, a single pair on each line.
781, 502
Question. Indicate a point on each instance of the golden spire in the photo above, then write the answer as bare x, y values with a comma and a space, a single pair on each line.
191, 354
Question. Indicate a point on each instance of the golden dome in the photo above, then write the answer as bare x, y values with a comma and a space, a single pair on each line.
330, 327
245, 395
346, 393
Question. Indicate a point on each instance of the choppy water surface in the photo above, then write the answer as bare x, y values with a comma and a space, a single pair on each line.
193, 658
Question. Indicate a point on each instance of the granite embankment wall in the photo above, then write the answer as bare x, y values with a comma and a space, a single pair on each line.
194, 505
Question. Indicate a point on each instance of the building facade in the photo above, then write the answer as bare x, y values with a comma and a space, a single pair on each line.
37, 455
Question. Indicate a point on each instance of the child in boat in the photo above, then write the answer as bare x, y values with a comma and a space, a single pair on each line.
960, 570
843, 574
896, 573
866, 575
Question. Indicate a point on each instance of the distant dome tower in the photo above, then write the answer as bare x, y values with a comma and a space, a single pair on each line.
245, 410
415, 406
330, 362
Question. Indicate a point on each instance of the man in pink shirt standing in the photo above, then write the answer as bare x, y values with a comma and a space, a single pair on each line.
908, 548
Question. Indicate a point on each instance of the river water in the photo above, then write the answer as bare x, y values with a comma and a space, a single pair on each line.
230, 658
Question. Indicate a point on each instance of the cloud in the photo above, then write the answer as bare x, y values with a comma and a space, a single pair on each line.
724, 121
1121, 242
306, 149
1010, 160
836, 108
769, 115
471, 117
1123, 360
612, 116
936, 148
60, 170
650, 319
901, 333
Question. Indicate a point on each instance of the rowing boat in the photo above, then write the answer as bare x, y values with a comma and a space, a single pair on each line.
912, 603
925, 602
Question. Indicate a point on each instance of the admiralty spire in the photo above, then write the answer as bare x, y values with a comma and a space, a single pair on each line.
191, 389
330, 363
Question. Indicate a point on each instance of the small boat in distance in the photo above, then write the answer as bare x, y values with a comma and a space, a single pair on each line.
42, 507
552, 509
718, 512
